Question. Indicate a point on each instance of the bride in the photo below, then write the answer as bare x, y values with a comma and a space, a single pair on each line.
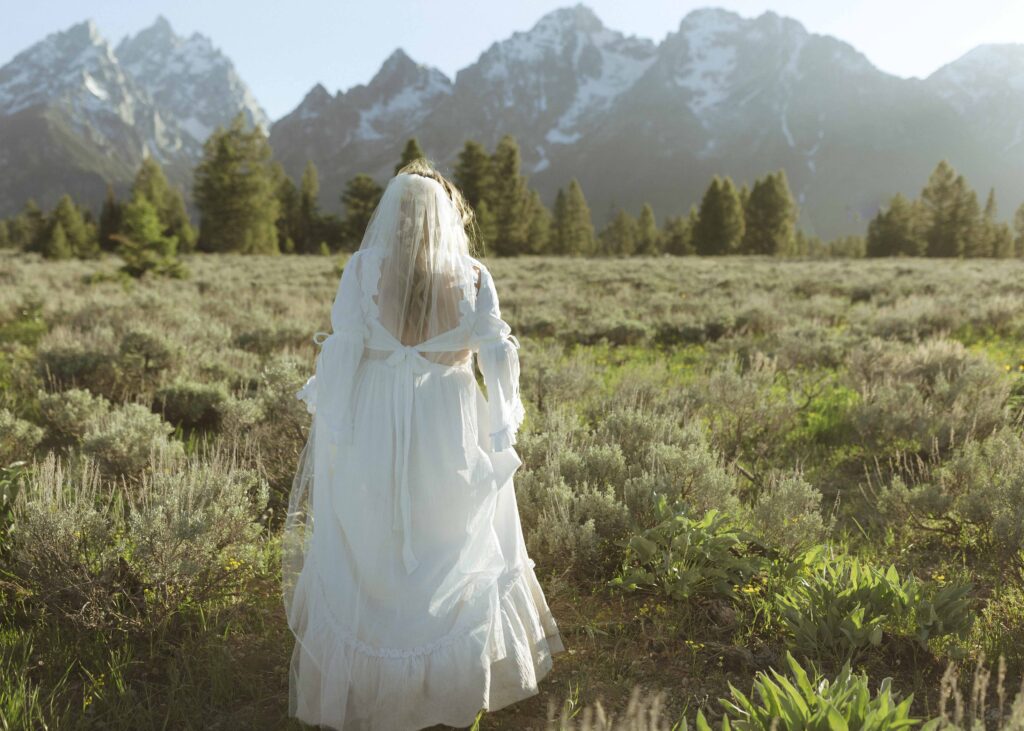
405, 574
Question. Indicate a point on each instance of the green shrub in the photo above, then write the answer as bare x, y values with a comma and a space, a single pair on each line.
68, 415
123, 441
18, 438
798, 702
787, 514
192, 405
143, 356
923, 396
683, 557
85, 554
978, 493
839, 607
76, 361
745, 409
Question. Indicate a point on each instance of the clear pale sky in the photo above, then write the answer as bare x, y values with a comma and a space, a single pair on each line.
281, 49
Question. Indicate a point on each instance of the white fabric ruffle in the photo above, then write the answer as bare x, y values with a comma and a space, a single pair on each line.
490, 665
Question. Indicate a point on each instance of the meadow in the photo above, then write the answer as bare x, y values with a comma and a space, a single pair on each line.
732, 465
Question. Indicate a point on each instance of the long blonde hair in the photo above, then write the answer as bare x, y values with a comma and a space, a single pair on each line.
423, 166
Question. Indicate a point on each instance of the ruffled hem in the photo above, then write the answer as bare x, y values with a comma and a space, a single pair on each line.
343, 683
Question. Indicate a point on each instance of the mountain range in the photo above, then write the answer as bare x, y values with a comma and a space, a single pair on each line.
632, 119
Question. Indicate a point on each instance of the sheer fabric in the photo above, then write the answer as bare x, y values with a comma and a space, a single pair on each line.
406, 578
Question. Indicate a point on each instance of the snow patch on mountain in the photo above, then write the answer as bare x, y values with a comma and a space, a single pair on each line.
190, 80
711, 59
619, 70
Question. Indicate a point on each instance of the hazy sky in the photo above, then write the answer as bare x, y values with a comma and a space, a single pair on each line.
283, 48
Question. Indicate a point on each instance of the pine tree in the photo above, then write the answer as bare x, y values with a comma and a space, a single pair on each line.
79, 235
28, 230
675, 236
619, 237
559, 223
486, 228
770, 217
287, 209
5, 234
360, 198
720, 223
143, 244
572, 230
744, 194
307, 235
1018, 224
473, 172
234, 192
56, 245
953, 213
508, 200
648, 241
411, 152
151, 183
110, 220
897, 230
538, 232
996, 237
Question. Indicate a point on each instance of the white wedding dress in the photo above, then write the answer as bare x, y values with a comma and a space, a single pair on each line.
406, 578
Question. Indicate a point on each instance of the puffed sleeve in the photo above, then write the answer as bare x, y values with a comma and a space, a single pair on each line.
498, 357
328, 392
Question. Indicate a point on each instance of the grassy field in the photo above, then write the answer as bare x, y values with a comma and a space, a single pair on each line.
728, 462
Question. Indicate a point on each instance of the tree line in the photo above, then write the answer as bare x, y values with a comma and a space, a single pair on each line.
945, 220
246, 203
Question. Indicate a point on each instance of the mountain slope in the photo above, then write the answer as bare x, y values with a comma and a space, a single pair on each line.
75, 113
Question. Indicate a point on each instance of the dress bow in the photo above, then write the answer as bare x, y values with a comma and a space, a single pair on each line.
408, 360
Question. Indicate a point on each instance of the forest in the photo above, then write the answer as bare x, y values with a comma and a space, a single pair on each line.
246, 203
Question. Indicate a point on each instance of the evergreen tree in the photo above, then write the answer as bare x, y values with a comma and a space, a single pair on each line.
5, 235
559, 223
572, 230
36, 229
676, 236
1018, 224
80, 237
360, 197
508, 200
770, 217
1002, 241
897, 230
307, 238
55, 244
110, 220
953, 212
151, 183
234, 192
473, 172
744, 196
648, 241
538, 233
28, 230
411, 152
850, 247
619, 237
143, 244
720, 223
486, 228
288, 215
995, 238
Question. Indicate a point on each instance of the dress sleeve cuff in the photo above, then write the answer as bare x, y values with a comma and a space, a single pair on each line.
504, 439
308, 394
